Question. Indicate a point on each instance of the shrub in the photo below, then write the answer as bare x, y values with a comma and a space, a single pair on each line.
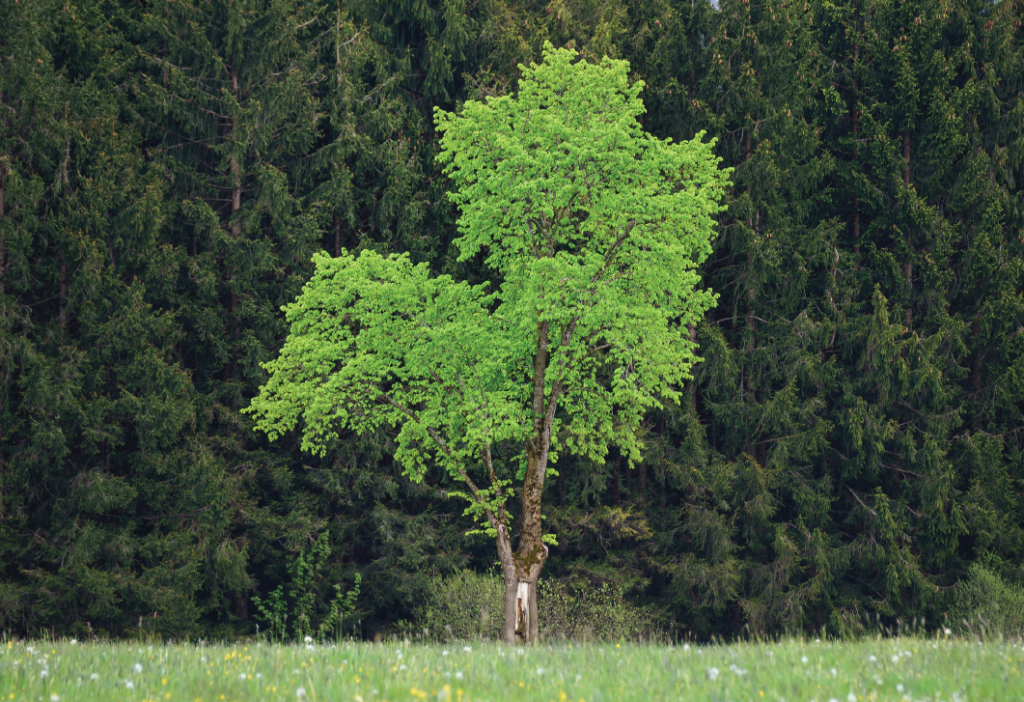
989, 607
470, 606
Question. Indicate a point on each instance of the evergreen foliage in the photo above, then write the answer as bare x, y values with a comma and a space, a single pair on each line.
852, 443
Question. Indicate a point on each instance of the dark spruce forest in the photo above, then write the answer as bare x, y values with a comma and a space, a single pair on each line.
851, 448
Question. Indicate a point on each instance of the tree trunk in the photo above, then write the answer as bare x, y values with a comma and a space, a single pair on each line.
235, 229
908, 267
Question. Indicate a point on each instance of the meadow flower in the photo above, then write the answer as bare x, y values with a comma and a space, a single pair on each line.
301, 692
308, 639
895, 658
94, 676
54, 697
686, 647
851, 697
467, 649
309, 647
241, 676
137, 667
712, 674
803, 659
444, 653
458, 675
946, 630
872, 659
129, 685
834, 673
540, 671
899, 687
43, 673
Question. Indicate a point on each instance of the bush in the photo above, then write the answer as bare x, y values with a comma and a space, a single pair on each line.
988, 607
471, 606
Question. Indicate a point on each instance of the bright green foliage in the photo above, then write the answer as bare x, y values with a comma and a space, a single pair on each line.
306, 573
594, 229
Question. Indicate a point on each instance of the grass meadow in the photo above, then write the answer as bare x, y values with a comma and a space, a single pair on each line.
795, 671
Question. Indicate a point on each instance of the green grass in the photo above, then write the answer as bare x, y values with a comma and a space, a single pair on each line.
796, 671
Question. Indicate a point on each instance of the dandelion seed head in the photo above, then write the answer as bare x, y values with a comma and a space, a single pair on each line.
301, 692
137, 667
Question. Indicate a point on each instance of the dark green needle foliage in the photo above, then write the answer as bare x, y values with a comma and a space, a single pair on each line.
852, 443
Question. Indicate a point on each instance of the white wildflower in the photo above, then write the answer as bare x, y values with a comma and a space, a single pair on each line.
94, 676
444, 653
54, 697
467, 649
851, 697
578, 677
946, 630
872, 659
834, 672
73, 642
241, 676
308, 639
259, 676
895, 658
402, 667
137, 667
129, 685
309, 647
458, 675
899, 687
803, 659
43, 673
686, 647
712, 674
540, 671
301, 692
202, 659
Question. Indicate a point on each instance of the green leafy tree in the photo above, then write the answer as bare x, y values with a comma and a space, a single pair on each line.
593, 230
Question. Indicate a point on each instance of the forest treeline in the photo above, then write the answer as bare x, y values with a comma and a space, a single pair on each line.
852, 443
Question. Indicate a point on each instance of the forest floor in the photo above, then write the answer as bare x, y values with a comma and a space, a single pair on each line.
796, 671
